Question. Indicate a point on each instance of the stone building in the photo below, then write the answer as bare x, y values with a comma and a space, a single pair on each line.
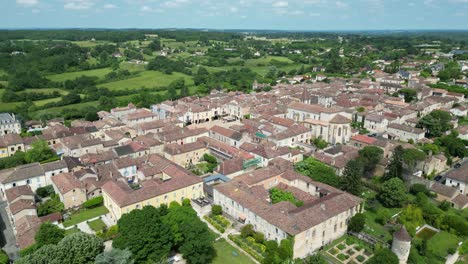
9, 124
401, 244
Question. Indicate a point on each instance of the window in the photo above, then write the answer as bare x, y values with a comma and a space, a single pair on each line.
334, 228
14, 184
28, 181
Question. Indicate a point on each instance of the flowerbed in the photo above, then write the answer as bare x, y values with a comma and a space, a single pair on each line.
218, 222
249, 245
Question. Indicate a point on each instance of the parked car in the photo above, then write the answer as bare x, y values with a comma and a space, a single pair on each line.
438, 178
456, 166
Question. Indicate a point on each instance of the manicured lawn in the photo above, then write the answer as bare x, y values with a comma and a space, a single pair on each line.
97, 225
85, 215
227, 254
148, 79
376, 229
439, 244
71, 231
73, 75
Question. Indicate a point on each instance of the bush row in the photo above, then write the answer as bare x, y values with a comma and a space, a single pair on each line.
245, 247
214, 224
221, 220
108, 234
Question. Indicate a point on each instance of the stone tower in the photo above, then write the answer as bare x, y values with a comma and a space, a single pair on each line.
401, 244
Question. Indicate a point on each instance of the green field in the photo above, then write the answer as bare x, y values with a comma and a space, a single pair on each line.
97, 225
100, 73
227, 254
85, 215
89, 43
148, 79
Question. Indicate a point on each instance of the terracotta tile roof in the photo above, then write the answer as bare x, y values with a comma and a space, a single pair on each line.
54, 217
247, 190
15, 192
460, 174
123, 195
20, 205
460, 200
26, 228
176, 149
443, 190
227, 132
339, 119
364, 139
402, 234
66, 182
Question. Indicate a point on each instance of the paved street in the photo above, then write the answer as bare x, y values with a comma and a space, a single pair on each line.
7, 237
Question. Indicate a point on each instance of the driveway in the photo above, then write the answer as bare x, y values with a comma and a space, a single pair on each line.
7, 237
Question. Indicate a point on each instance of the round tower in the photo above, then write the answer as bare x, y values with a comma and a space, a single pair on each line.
401, 244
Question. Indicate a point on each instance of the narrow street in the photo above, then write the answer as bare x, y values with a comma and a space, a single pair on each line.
7, 237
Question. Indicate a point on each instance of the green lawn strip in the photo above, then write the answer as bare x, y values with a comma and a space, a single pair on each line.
71, 231
85, 215
375, 229
147, 79
439, 245
227, 254
100, 73
97, 225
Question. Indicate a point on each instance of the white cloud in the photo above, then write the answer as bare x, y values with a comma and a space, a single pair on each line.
110, 6
233, 9
27, 2
280, 4
78, 4
176, 3
341, 4
149, 9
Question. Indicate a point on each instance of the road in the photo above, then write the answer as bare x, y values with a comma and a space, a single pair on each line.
7, 237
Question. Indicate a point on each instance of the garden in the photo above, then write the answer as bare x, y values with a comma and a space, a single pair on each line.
216, 219
97, 225
85, 214
227, 254
350, 250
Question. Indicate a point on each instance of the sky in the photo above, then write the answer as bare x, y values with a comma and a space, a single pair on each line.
237, 14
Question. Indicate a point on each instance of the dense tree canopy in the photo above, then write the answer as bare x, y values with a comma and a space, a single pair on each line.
77, 248
150, 234
393, 193
351, 180
436, 123
318, 171
370, 156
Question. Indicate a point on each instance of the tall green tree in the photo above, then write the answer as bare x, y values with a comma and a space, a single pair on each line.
351, 180
395, 167
39, 151
370, 157
77, 248
115, 256
357, 222
436, 123
392, 193
49, 234
383, 256
318, 171
144, 233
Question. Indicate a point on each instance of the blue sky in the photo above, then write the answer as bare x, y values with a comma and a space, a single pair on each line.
237, 14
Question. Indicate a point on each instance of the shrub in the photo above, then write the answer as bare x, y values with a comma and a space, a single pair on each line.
417, 188
186, 202
333, 251
383, 215
360, 258
94, 202
259, 237
50, 206
214, 224
247, 230
45, 191
108, 234
4, 259
357, 222
341, 246
341, 257
216, 209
